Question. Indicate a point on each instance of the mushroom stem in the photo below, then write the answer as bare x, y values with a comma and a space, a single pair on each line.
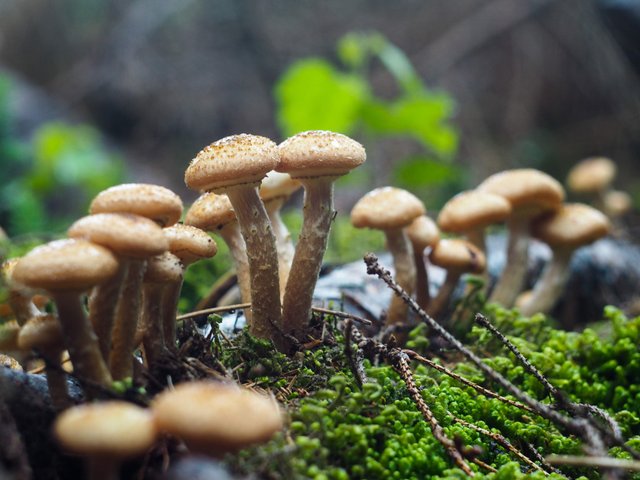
169, 311
56, 378
126, 322
512, 280
423, 295
441, 300
318, 214
405, 276
81, 340
476, 236
550, 285
284, 245
153, 340
262, 257
102, 468
22, 306
231, 235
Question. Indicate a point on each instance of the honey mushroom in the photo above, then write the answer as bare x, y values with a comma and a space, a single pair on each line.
423, 234
592, 178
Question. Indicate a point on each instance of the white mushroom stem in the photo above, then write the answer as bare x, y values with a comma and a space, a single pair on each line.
126, 322
231, 235
284, 245
318, 214
423, 295
441, 300
511, 282
262, 257
403, 263
81, 340
550, 285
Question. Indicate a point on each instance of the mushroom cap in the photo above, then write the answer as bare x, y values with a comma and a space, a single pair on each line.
189, 243
423, 232
459, 255
278, 185
617, 203
7, 269
41, 332
63, 265
529, 191
235, 160
319, 153
125, 234
210, 212
163, 268
113, 429
574, 225
386, 208
216, 418
472, 210
9, 332
591, 175
152, 201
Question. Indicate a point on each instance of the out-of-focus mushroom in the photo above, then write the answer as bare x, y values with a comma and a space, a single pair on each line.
423, 234
20, 301
391, 210
592, 178
617, 203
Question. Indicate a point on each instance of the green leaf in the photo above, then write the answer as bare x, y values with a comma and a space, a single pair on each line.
421, 171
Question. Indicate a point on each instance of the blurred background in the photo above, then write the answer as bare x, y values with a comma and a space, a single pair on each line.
442, 93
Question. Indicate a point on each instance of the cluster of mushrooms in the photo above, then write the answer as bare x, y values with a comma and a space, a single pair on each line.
127, 260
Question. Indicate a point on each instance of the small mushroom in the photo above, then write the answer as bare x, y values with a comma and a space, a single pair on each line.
215, 418
20, 301
573, 226
106, 433
592, 178
423, 234
235, 165
9, 332
67, 268
456, 256
617, 203
391, 210
316, 158
530, 193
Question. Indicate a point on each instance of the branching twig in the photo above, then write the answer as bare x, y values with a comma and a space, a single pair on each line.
354, 358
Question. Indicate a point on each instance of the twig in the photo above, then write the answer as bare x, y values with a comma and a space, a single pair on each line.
354, 359
484, 465
592, 461
337, 313
207, 311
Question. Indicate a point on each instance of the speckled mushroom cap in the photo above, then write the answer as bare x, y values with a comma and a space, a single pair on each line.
113, 429
216, 418
235, 160
591, 175
386, 208
41, 332
68, 264
189, 243
472, 210
151, 201
125, 234
459, 255
163, 268
319, 153
423, 232
210, 212
529, 191
574, 225
277, 185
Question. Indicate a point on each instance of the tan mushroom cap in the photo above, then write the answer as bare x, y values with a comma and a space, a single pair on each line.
163, 268
318, 153
574, 225
591, 175
617, 203
68, 264
41, 332
472, 210
386, 208
278, 185
189, 243
235, 160
210, 212
151, 201
216, 418
113, 429
7, 269
458, 255
125, 234
423, 232
528, 190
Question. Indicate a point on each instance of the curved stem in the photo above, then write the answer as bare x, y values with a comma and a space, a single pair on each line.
441, 300
231, 235
423, 295
262, 257
512, 280
405, 276
284, 245
550, 285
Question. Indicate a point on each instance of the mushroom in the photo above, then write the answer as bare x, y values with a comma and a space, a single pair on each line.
316, 158
66, 268
235, 165
43, 334
106, 433
592, 177
9, 332
115, 305
423, 234
617, 203
456, 256
214, 213
20, 301
189, 244
275, 190
215, 418
530, 193
573, 226
391, 210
